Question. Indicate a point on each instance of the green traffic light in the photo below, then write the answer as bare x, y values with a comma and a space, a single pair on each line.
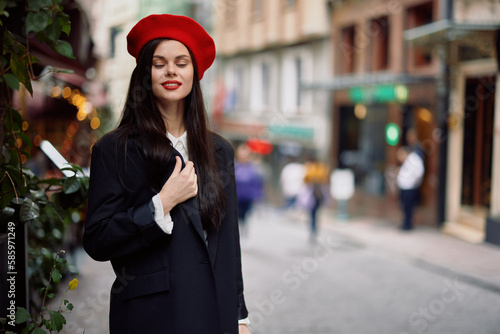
392, 134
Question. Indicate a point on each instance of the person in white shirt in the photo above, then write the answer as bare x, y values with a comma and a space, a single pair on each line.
292, 181
409, 180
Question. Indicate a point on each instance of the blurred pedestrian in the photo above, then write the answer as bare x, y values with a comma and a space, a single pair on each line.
313, 192
161, 207
413, 143
249, 185
292, 181
409, 180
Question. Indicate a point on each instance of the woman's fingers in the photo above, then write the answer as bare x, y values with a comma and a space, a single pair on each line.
177, 167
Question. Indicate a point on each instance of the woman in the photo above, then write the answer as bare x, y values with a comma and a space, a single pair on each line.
162, 203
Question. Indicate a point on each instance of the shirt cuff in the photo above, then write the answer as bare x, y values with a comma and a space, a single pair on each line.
245, 321
163, 220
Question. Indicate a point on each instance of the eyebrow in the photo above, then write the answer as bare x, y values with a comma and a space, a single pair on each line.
176, 58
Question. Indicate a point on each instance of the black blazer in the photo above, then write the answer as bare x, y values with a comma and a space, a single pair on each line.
165, 283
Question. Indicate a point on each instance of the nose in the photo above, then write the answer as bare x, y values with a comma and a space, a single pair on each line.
170, 70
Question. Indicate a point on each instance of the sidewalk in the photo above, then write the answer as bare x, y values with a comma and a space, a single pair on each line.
424, 246
91, 296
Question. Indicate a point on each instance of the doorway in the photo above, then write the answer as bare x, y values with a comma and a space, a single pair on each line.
479, 107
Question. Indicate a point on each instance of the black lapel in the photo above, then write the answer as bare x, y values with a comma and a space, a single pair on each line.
190, 206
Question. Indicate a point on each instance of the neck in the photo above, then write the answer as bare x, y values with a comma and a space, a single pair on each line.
173, 114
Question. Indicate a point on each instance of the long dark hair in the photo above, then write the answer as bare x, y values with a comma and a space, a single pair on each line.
142, 117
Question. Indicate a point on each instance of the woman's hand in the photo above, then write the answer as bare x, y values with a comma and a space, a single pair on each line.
180, 186
243, 329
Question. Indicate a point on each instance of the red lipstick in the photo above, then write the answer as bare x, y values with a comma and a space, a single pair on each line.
171, 84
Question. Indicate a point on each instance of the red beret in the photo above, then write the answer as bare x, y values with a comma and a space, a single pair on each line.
180, 28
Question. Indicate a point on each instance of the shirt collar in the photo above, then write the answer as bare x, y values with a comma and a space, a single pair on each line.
174, 140
180, 144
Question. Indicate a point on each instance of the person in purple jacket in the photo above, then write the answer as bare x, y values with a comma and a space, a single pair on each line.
249, 185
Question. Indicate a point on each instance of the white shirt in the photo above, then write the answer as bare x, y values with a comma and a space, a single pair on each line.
411, 172
292, 179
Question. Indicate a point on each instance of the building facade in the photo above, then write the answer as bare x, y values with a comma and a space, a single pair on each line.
382, 88
469, 38
266, 52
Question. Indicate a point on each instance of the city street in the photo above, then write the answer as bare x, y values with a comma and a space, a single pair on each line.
346, 284
360, 276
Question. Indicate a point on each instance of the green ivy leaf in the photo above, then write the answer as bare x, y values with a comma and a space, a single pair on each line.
65, 23
13, 157
37, 21
28, 329
20, 68
51, 296
14, 174
11, 80
22, 315
71, 185
78, 168
7, 213
50, 182
53, 31
63, 48
57, 320
59, 212
6, 198
39, 331
13, 120
70, 307
29, 211
56, 276
38, 194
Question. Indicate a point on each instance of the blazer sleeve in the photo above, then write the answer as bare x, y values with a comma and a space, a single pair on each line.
119, 221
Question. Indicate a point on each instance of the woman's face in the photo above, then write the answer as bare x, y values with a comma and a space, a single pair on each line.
172, 72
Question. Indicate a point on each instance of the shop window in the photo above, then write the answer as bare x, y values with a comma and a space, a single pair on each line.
257, 9
298, 73
114, 32
418, 16
479, 102
348, 137
362, 146
230, 12
347, 59
266, 79
235, 89
380, 43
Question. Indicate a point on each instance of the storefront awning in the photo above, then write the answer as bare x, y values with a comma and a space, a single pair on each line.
368, 79
480, 34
